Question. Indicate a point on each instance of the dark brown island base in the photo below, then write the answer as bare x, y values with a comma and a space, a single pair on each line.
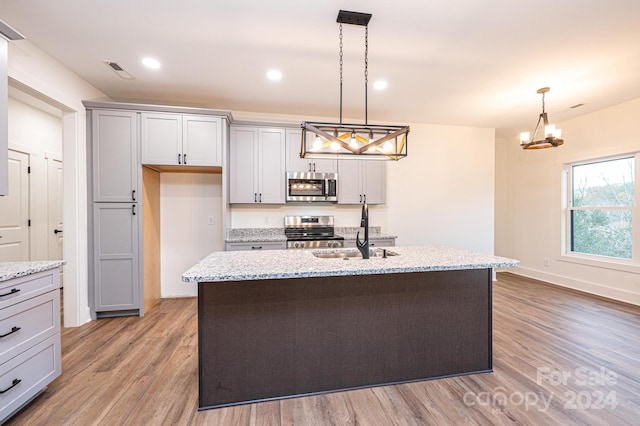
335, 325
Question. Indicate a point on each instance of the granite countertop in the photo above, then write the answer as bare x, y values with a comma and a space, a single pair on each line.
349, 233
275, 264
250, 235
9, 270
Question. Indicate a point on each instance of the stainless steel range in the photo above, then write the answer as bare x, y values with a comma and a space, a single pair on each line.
308, 232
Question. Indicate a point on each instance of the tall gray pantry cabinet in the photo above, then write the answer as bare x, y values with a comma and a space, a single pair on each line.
128, 147
116, 182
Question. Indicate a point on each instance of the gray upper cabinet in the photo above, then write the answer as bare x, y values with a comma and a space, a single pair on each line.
116, 257
296, 164
181, 140
4, 117
257, 165
115, 156
362, 180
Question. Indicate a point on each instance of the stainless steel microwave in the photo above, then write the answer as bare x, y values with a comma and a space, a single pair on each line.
312, 187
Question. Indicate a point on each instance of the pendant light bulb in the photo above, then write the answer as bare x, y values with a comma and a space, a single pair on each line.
317, 143
353, 143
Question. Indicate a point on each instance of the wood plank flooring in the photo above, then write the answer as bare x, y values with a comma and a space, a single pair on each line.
560, 357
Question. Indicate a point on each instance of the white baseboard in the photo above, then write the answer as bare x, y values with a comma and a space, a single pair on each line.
580, 285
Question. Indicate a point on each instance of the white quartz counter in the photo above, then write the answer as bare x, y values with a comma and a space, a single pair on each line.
275, 264
9, 270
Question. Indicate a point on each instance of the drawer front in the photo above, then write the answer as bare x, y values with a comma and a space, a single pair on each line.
258, 245
26, 323
373, 242
18, 289
34, 369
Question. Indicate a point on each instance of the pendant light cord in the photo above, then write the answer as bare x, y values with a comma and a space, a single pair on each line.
340, 73
366, 75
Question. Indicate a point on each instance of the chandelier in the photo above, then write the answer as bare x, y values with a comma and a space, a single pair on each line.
349, 141
551, 137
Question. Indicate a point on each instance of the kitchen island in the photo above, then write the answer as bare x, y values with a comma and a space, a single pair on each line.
285, 323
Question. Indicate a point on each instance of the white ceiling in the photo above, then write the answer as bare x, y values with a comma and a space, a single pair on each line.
462, 62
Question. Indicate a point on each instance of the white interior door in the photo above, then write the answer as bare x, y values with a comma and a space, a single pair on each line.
54, 207
14, 211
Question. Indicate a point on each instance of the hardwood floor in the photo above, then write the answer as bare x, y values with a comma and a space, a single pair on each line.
560, 357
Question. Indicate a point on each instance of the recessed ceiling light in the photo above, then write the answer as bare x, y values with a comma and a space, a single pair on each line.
380, 85
154, 64
274, 75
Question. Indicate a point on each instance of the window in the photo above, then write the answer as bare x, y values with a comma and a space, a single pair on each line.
601, 208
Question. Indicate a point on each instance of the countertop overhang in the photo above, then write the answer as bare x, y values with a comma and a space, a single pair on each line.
283, 264
9, 270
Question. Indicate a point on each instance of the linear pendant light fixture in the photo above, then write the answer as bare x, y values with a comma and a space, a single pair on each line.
552, 136
354, 141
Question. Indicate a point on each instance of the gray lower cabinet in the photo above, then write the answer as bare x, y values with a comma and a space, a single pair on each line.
373, 242
30, 346
116, 276
256, 245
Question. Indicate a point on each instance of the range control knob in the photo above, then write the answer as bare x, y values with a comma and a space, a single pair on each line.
298, 245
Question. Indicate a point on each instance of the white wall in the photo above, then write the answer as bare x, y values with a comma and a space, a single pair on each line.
441, 194
37, 133
187, 201
35, 72
532, 218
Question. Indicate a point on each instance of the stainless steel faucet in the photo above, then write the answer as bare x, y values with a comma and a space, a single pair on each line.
363, 246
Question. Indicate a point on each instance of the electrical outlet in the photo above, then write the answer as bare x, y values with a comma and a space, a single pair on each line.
266, 220
546, 262
210, 220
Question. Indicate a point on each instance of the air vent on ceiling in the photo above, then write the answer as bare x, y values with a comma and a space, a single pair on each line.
117, 68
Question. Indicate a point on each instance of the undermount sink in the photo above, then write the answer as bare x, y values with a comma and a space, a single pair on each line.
346, 254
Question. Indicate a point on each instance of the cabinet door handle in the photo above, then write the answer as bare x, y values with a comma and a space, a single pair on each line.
256, 247
360, 197
184, 159
13, 291
57, 231
133, 195
365, 198
309, 164
133, 209
13, 330
314, 167
179, 155
261, 197
255, 197
13, 384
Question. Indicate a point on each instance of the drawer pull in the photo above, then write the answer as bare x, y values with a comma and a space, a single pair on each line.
13, 290
13, 384
256, 247
13, 330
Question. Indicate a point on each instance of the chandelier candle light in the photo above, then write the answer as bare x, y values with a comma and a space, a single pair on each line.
552, 136
353, 141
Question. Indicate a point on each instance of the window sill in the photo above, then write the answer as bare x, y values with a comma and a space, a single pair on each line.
617, 265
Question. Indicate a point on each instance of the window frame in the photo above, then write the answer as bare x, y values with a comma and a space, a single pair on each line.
629, 265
